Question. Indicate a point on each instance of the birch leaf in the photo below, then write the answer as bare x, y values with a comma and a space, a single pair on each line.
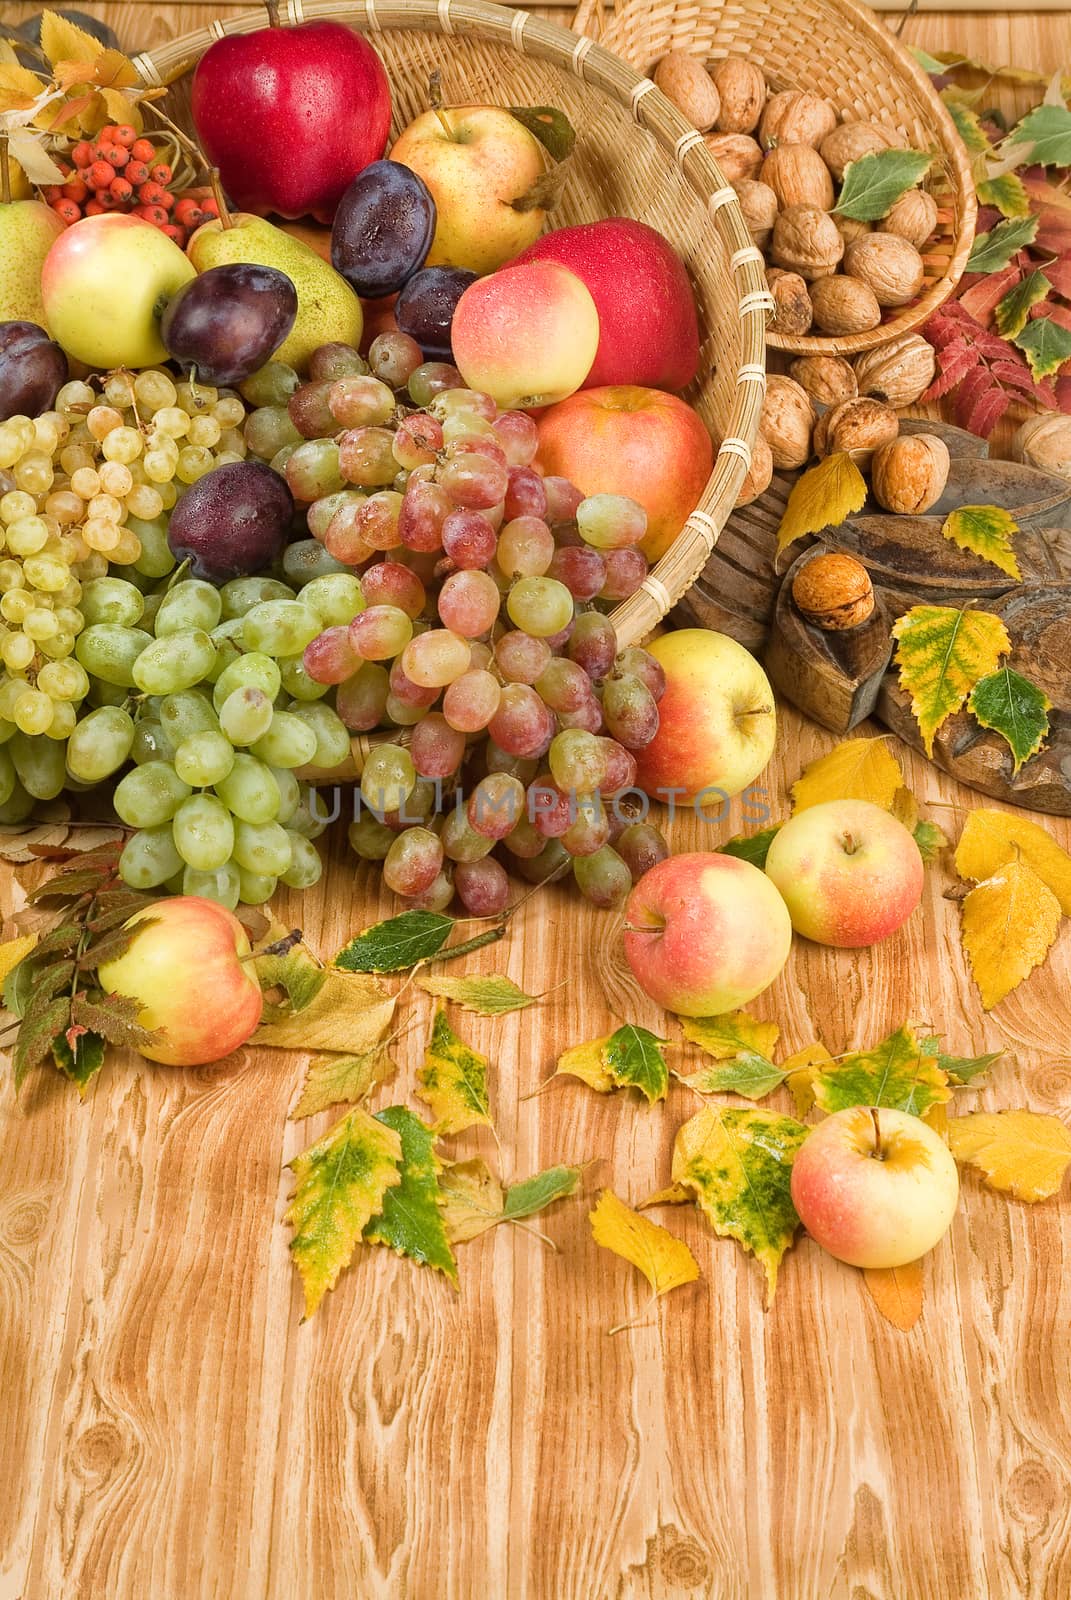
630, 1058
588, 1063
930, 840
1023, 1152
397, 944
898, 1072
453, 1080
897, 1293
733, 1034
62, 40
824, 497
753, 847
13, 952
993, 250
874, 183
490, 996
942, 652
1015, 708
350, 1013
800, 1072
749, 1075
334, 1080
986, 532
992, 838
1007, 193
1011, 312
665, 1261
1009, 923
411, 1220
474, 1200
856, 769
1046, 345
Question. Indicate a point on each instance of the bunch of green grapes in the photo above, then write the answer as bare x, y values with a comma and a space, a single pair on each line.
205, 691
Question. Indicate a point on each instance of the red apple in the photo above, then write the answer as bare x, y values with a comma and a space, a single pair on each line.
628, 440
850, 873
648, 332
875, 1187
185, 973
291, 115
705, 933
526, 335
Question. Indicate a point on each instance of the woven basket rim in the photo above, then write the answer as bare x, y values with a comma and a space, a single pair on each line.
677, 569
591, 19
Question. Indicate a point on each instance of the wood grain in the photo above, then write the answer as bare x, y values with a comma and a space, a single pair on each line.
171, 1431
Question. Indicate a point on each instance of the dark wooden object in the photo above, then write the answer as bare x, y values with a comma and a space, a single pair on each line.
833, 676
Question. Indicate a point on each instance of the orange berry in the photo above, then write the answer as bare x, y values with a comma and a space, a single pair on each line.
177, 234
137, 172
160, 174
125, 135
75, 189
142, 150
120, 189
82, 153
93, 208
53, 192
210, 207
100, 174
69, 210
117, 155
188, 213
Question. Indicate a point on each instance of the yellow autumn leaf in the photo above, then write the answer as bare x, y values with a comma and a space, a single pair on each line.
349, 1013
453, 1080
802, 1069
991, 838
1009, 923
942, 652
733, 1034
588, 1063
14, 951
19, 87
985, 531
1024, 1152
905, 808
822, 498
936, 1117
857, 769
897, 1293
665, 1261
61, 40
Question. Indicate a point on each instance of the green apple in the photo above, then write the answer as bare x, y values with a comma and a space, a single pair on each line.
28, 230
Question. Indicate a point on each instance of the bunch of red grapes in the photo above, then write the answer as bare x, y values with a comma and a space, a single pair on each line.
120, 170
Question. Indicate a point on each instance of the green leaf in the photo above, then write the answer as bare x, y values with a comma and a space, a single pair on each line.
967, 121
411, 1222
453, 1080
82, 1063
734, 1033
1046, 346
748, 1074
993, 250
898, 1073
753, 847
489, 997
473, 1199
927, 62
874, 183
964, 1069
397, 944
115, 1016
634, 1060
986, 531
534, 1194
1047, 130
297, 971
550, 126
334, 1080
1015, 708
738, 1164
941, 653
1007, 193
36, 1037
1012, 312
341, 1184
19, 987
930, 840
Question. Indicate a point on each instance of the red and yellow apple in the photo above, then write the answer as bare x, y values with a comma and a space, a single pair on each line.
716, 720
705, 933
850, 873
187, 974
104, 283
628, 440
875, 1187
477, 161
526, 335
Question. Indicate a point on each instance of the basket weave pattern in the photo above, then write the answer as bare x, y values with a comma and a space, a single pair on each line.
839, 50
635, 156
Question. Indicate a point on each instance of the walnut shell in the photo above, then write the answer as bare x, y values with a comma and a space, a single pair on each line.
742, 88
793, 312
858, 427
827, 379
759, 474
805, 240
795, 117
1045, 441
787, 422
898, 372
684, 80
759, 205
913, 217
844, 305
908, 475
737, 155
850, 142
850, 228
890, 265
833, 591
798, 176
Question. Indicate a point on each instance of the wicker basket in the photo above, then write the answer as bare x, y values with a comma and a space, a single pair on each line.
833, 48
634, 156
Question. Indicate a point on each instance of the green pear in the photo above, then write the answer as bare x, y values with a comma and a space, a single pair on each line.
28, 230
328, 309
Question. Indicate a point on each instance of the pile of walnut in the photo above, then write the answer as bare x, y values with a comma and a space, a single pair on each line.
784, 155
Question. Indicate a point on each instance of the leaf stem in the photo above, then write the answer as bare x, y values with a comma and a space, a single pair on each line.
492, 936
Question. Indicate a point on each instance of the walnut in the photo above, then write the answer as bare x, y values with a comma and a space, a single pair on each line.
758, 476
833, 591
913, 217
850, 142
909, 474
899, 372
742, 88
684, 80
805, 240
787, 422
793, 117
890, 265
858, 427
798, 176
844, 305
1045, 441
737, 155
793, 312
849, 228
759, 205
827, 379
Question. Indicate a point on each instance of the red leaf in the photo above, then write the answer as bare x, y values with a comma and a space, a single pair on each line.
1063, 394
1059, 275
985, 294
1054, 231
1053, 313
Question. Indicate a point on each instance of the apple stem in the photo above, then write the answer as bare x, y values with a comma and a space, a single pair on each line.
441, 114
5, 171
876, 1154
225, 218
272, 8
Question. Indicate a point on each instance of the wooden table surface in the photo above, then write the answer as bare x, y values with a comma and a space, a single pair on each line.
170, 1431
